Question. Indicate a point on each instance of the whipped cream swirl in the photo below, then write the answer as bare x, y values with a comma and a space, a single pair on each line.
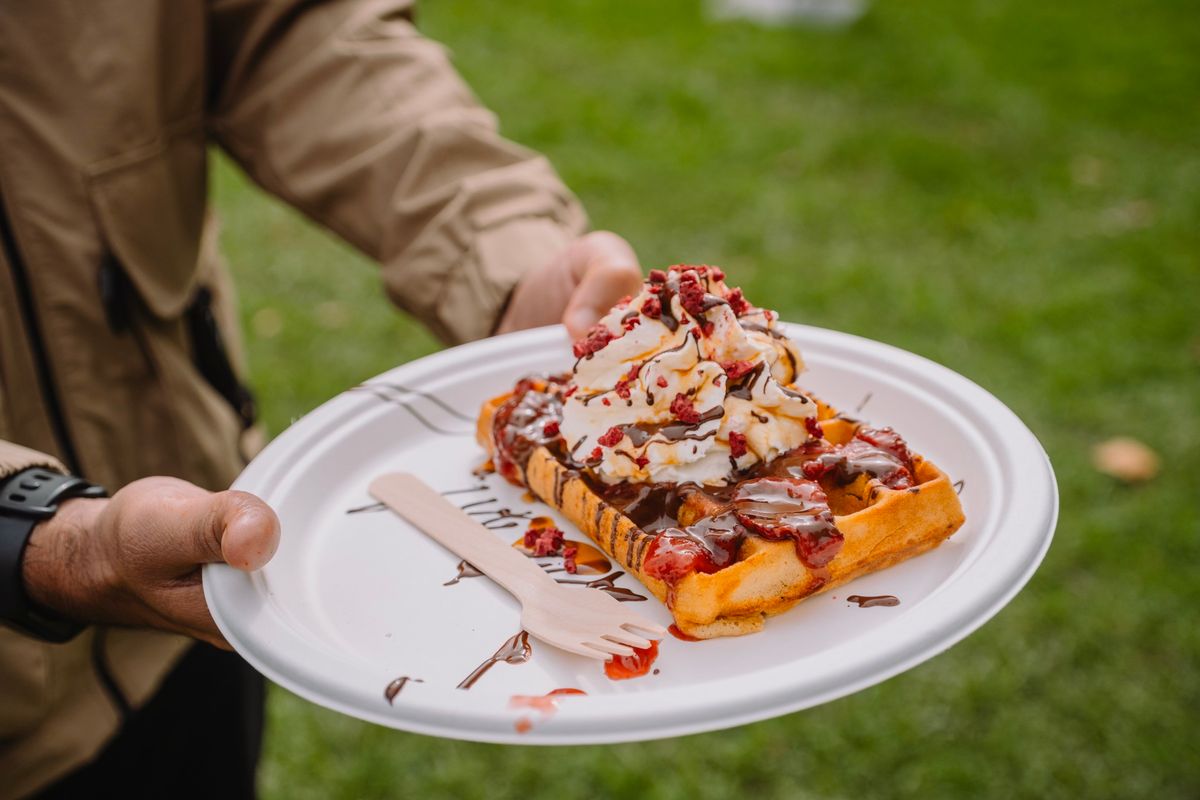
687, 382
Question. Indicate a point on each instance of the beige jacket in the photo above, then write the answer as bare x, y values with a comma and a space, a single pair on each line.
112, 357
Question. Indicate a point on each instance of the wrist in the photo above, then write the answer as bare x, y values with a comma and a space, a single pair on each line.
63, 569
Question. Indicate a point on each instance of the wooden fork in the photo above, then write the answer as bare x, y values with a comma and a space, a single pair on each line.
588, 622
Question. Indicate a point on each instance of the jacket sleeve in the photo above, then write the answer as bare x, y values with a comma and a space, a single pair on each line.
344, 111
14, 458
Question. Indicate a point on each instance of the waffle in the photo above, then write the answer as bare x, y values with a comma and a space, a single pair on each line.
881, 526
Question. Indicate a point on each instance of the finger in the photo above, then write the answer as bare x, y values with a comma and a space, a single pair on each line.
540, 297
606, 270
232, 527
250, 530
185, 611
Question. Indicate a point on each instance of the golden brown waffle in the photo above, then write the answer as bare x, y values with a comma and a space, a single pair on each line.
880, 526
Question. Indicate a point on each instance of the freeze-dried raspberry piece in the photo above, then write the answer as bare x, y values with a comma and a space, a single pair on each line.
662, 382
737, 444
595, 456
641, 461
685, 410
736, 369
814, 428
658, 276
631, 323
611, 437
572, 389
544, 541
569, 553
652, 308
691, 293
550, 429
622, 387
595, 340
716, 273
737, 302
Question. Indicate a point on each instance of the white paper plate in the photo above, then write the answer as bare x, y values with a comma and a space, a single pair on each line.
353, 601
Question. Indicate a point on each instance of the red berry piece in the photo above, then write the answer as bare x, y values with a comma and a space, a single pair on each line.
685, 410
595, 340
814, 428
736, 370
611, 437
737, 444
738, 302
544, 541
658, 276
652, 308
662, 382
691, 294
569, 553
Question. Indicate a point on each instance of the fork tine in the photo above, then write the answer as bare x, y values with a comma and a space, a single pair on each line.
574, 647
654, 631
610, 648
624, 637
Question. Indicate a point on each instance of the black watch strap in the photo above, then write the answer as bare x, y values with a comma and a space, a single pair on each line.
27, 498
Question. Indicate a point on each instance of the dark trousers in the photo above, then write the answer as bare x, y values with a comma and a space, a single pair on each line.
200, 736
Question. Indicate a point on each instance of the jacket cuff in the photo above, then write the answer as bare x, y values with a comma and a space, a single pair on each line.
477, 290
14, 458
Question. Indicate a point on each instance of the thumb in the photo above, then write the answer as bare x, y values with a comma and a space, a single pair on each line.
238, 529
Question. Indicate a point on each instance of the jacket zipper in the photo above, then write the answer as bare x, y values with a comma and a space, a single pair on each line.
37, 343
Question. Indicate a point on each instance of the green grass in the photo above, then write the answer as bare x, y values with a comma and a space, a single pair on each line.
1009, 188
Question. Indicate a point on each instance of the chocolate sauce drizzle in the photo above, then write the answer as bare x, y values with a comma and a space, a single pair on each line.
870, 601
395, 687
370, 508
774, 334
607, 584
959, 485
397, 395
674, 431
515, 650
497, 518
483, 487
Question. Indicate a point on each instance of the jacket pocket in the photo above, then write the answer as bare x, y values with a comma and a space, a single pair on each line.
150, 208
154, 280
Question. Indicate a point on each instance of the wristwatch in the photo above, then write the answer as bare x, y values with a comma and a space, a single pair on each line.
27, 498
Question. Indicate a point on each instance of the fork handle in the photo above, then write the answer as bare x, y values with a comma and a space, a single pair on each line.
446, 523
